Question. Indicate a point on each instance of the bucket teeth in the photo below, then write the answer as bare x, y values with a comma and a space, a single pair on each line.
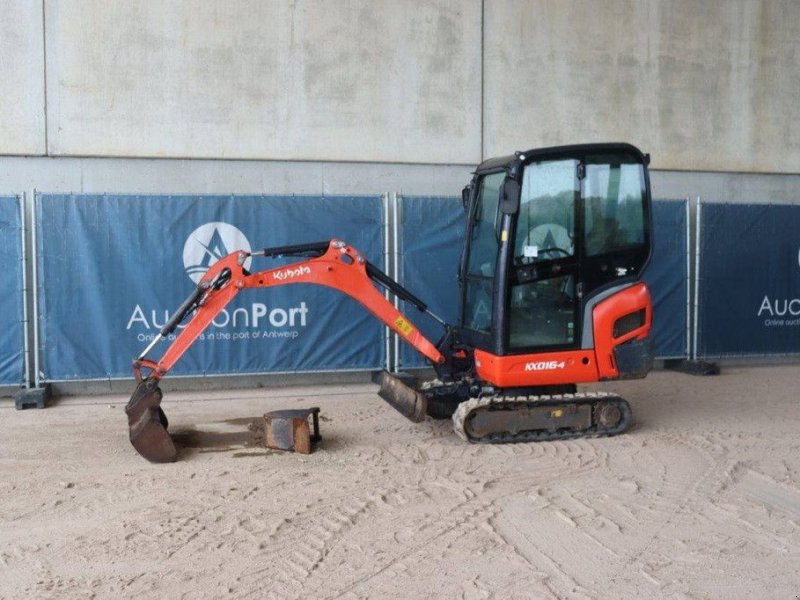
147, 424
406, 400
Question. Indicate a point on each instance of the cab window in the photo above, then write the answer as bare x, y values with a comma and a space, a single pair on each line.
613, 192
546, 224
482, 260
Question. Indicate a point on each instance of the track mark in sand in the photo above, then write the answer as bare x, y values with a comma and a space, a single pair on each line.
313, 535
680, 487
759, 504
569, 457
550, 541
433, 529
764, 490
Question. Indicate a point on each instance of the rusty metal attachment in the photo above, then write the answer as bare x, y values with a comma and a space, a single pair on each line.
290, 429
147, 424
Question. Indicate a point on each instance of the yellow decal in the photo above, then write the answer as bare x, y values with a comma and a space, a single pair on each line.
404, 326
504, 236
557, 413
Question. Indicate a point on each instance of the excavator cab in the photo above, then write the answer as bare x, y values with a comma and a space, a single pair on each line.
552, 235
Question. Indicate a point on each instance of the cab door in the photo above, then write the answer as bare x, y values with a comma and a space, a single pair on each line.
582, 232
480, 262
544, 287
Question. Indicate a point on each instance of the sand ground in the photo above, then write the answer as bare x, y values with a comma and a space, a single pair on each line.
701, 499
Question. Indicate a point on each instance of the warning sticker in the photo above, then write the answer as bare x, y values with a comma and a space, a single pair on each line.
404, 326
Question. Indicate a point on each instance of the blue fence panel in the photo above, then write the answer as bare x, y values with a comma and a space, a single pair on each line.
12, 332
667, 278
433, 237
112, 268
749, 281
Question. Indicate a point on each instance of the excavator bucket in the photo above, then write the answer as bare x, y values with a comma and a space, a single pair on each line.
405, 399
147, 423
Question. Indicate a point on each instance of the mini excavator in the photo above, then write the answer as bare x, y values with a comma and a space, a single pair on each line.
551, 295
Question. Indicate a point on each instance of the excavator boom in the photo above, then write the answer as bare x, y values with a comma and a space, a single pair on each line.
333, 264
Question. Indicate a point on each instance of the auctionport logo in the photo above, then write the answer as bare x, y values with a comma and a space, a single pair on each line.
780, 312
204, 247
210, 242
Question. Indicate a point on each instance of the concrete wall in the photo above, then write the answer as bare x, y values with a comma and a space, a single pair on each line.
364, 80
703, 86
172, 176
709, 85
22, 125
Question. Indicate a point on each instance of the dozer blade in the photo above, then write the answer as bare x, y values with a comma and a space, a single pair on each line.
147, 423
406, 400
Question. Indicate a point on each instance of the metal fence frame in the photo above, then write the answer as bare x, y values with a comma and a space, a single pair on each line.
26, 348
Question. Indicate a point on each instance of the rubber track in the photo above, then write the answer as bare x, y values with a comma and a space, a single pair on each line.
468, 407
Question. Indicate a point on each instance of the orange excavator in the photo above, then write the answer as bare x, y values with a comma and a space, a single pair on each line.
551, 295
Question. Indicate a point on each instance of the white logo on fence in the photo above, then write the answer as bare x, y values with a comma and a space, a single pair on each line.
204, 247
210, 242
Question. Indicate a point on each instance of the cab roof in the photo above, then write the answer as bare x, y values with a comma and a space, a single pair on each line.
504, 162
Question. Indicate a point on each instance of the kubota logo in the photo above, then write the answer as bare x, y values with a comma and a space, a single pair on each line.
291, 273
210, 242
544, 365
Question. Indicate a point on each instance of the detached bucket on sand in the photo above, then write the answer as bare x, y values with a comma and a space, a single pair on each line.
291, 430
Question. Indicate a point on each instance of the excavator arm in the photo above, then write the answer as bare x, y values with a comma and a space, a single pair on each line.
333, 264
336, 265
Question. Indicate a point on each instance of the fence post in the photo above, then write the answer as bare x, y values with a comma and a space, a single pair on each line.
35, 396
26, 343
696, 279
687, 207
387, 268
396, 271
35, 277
